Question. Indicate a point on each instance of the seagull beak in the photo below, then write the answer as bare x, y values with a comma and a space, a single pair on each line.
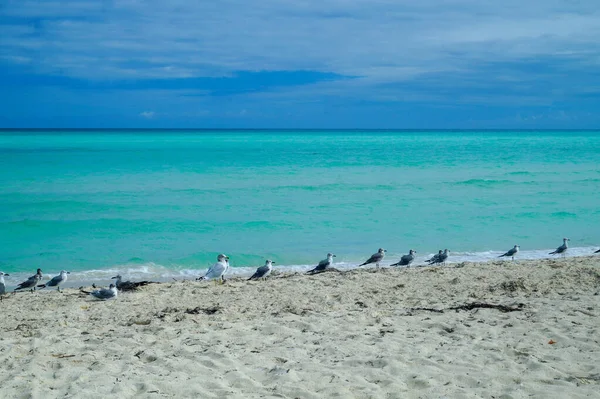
113, 277
68, 272
7, 274
272, 263
334, 256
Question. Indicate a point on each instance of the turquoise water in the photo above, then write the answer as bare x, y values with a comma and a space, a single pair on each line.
167, 203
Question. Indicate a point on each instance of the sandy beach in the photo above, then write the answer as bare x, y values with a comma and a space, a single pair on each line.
422, 332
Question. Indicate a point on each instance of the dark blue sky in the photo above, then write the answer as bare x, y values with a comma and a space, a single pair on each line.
302, 64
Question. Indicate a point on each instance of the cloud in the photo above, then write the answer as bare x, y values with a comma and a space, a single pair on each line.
442, 52
377, 39
148, 114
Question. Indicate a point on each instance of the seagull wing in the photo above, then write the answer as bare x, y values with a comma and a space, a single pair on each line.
55, 281
103, 293
406, 259
373, 259
216, 271
510, 252
559, 250
434, 258
30, 282
324, 264
126, 286
438, 259
260, 272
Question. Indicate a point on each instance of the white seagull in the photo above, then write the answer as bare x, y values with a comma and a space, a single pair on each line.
218, 270
2, 284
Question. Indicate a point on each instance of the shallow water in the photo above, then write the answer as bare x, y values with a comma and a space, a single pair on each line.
166, 203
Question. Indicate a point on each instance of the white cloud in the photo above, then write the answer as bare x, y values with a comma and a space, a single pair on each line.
182, 38
381, 41
148, 114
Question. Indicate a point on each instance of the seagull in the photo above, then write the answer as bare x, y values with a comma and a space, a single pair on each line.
2, 284
218, 270
376, 257
406, 260
128, 285
323, 265
435, 257
104, 293
56, 280
263, 271
31, 282
511, 252
441, 258
562, 249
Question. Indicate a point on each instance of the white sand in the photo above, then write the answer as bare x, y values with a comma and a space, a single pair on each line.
347, 335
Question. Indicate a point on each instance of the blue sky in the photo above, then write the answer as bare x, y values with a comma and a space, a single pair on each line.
300, 64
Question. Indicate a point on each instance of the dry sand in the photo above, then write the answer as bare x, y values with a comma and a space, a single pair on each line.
354, 334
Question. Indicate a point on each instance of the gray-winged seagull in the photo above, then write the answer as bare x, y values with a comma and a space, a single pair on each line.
56, 280
406, 260
440, 258
511, 252
562, 249
435, 257
129, 285
263, 271
31, 282
376, 257
323, 265
105, 293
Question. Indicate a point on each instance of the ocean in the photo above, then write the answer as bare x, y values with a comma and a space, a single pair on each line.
163, 204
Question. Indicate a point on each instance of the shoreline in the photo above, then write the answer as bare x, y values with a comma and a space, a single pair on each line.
158, 273
361, 333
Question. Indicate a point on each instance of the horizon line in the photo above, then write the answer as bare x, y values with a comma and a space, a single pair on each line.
71, 129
